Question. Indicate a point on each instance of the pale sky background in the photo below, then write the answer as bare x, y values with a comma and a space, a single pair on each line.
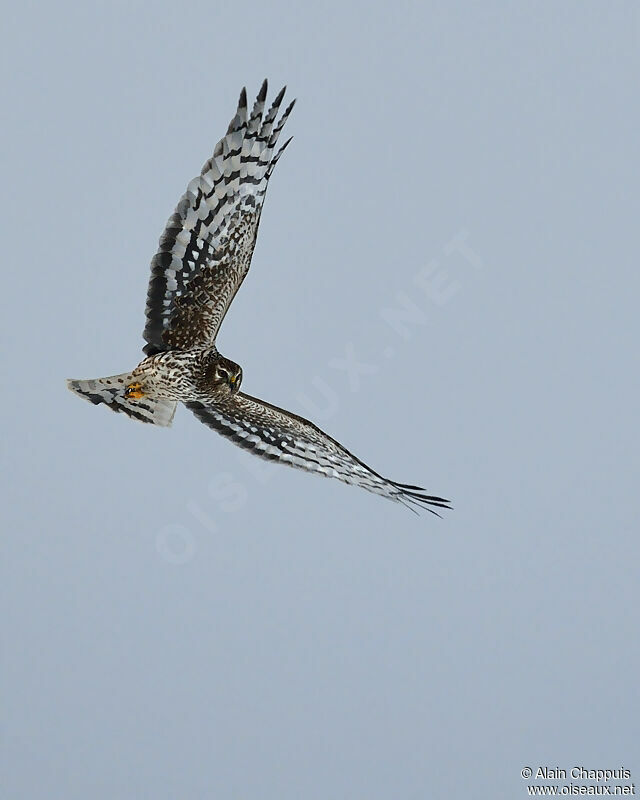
182, 620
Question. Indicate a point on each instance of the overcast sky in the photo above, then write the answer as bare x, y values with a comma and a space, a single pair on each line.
446, 280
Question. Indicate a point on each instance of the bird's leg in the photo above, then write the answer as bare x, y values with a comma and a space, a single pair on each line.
133, 391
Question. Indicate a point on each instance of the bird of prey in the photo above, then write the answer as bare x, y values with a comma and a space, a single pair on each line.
203, 257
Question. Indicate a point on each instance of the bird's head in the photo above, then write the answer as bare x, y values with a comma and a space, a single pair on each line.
222, 375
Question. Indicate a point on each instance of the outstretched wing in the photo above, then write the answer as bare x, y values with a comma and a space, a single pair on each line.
206, 248
275, 434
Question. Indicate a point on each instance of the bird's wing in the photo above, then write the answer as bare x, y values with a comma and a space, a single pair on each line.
205, 251
275, 434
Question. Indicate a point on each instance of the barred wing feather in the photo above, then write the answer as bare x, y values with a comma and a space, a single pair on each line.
205, 251
275, 434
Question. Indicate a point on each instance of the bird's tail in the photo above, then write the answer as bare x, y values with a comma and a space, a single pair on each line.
111, 392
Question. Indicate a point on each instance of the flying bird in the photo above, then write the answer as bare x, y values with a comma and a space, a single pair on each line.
203, 257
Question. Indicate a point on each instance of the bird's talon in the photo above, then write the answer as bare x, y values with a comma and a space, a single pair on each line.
133, 391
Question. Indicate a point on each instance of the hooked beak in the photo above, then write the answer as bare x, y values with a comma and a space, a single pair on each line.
234, 383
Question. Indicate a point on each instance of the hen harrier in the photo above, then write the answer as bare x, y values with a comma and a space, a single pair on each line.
204, 255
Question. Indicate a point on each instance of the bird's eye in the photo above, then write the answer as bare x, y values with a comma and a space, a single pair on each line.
223, 374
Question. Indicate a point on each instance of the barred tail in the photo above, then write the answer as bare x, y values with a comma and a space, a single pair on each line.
110, 391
